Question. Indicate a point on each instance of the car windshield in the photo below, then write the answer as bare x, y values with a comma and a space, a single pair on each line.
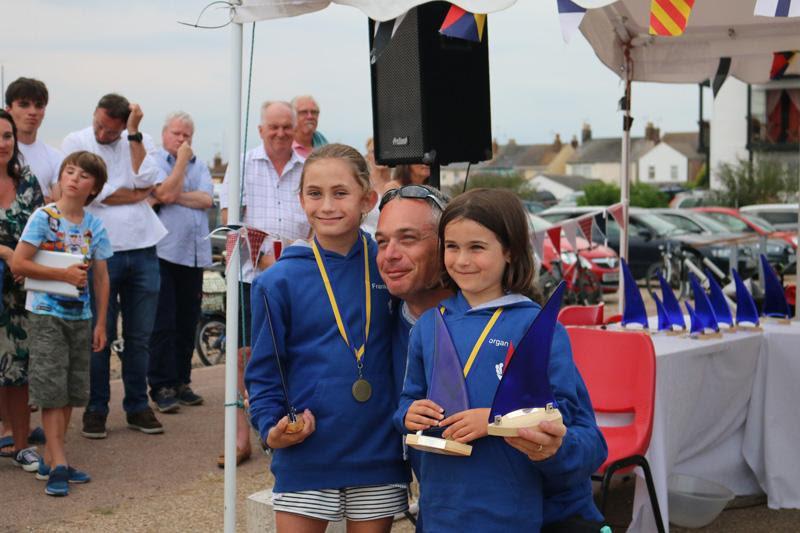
712, 224
682, 222
760, 222
659, 225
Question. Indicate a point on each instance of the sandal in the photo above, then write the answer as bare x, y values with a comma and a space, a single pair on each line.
7, 442
241, 457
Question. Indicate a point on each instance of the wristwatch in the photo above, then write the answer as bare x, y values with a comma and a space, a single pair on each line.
135, 137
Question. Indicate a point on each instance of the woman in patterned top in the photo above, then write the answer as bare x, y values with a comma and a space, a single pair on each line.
20, 195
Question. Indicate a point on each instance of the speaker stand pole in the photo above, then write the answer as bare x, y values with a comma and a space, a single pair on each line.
434, 179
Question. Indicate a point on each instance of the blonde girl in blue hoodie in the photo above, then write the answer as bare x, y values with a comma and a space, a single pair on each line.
329, 313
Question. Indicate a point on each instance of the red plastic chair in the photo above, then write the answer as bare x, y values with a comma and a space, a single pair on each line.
619, 368
581, 315
613, 319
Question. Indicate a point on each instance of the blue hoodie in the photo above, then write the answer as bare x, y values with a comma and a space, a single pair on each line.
498, 488
354, 443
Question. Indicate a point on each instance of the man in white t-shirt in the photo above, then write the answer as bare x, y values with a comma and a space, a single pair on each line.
26, 101
134, 230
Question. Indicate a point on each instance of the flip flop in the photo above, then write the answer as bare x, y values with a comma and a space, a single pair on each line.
241, 457
37, 437
7, 442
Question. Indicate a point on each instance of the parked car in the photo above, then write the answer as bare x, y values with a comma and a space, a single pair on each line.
694, 198
782, 216
601, 261
778, 253
696, 223
648, 235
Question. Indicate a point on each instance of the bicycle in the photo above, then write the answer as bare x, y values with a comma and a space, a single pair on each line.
676, 264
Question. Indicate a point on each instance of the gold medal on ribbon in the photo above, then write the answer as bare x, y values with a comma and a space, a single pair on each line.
362, 390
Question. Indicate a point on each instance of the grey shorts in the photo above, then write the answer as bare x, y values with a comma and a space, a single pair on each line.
58, 370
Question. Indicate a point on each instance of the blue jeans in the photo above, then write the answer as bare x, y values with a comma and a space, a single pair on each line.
135, 281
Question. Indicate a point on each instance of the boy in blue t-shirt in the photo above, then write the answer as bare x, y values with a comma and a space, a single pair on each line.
59, 352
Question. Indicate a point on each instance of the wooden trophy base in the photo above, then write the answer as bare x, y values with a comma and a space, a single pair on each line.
424, 443
727, 328
777, 320
706, 336
295, 427
508, 425
748, 326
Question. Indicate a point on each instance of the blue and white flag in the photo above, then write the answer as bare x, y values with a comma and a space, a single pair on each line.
570, 14
777, 8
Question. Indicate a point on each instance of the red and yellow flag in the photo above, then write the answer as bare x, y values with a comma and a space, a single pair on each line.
669, 17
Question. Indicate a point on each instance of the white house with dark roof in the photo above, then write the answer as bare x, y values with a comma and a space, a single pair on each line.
601, 158
675, 159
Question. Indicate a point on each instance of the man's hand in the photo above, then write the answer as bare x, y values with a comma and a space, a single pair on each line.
466, 426
184, 152
76, 274
99, 337
422, 414
278, 437
541, 442
134, 118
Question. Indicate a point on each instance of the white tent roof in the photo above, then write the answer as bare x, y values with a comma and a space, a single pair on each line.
716, 28
253, 10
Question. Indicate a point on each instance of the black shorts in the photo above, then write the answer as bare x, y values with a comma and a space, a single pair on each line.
245, 316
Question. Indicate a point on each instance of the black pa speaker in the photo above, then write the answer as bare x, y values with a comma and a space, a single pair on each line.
430, 93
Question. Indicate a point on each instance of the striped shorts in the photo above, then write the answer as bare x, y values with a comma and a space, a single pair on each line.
353, 503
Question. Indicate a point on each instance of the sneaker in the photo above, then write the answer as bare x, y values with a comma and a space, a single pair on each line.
145, 421
37, 437
58, 482
74, 475
78, 476
28, 459
186, 396
94, 425
165, 400
43, 473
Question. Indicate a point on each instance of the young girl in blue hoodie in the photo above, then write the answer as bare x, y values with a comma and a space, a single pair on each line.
329, 318
487, 258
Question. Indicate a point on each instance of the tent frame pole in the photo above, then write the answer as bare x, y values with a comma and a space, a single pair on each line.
232, 278
625, 171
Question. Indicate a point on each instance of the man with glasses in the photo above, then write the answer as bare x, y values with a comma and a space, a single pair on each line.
134, 230
306, 136
408, 260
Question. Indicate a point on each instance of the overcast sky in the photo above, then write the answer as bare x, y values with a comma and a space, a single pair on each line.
540, 86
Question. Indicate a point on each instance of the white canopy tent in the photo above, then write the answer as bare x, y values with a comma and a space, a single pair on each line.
617, 30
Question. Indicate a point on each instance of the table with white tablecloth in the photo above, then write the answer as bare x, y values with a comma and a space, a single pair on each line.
772, 429
703, 390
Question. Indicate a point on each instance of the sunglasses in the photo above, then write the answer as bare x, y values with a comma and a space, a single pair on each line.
417, 192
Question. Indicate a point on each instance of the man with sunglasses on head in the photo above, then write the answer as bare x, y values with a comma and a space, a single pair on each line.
408, 260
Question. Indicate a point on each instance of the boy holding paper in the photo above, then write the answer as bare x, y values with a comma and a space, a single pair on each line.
59, 352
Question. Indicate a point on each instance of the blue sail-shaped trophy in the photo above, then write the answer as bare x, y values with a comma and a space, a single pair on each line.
633, 311
664, 323
671, 305
695, 324
524, 396
746, 311
702, 306
448, 390
719, 302
775, 304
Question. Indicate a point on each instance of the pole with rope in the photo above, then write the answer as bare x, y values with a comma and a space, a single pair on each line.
232, 278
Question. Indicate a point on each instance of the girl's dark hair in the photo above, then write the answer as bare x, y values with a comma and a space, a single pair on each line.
14, 167
91, 164
501, 212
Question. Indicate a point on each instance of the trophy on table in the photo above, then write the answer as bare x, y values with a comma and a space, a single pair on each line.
670, 316
634, 315
524, 397
746, 311
775, 304
704, 321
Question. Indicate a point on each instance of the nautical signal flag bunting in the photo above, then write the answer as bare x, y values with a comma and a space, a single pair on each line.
463, 25
669, 17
